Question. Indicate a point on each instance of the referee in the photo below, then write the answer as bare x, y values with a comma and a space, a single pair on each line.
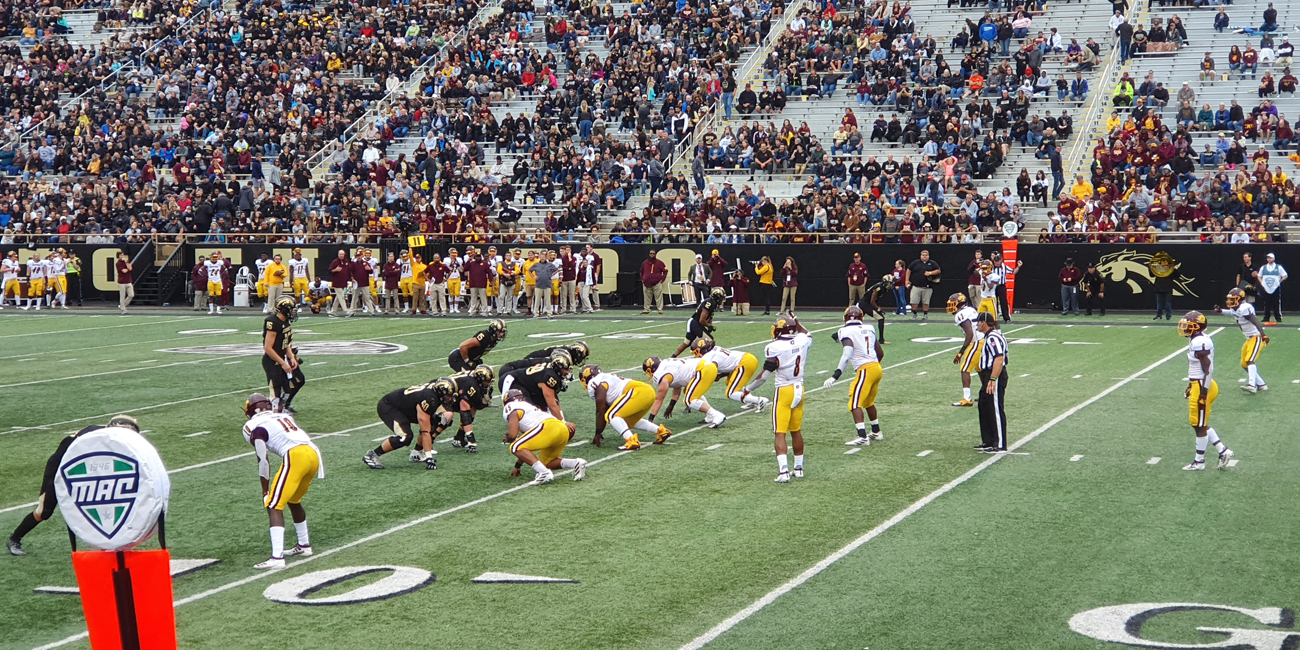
993, 380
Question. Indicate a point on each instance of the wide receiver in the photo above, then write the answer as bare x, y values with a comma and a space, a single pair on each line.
1256, 340
862, 350
694, 375
786, 356
1203, 390
278, 434
990, 280
537, 438
622, 403
470, 353
737, 367
968, 358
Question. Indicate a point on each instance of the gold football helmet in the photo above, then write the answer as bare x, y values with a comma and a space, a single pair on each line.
956, 301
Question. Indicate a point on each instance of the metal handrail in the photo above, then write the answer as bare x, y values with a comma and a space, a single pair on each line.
354, 130
129, 64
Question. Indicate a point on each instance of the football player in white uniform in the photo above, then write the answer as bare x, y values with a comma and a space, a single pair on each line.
56, 274
537, 438
1202, 390
278, 434
216, 271
11, 269
300, 276
622, 403
695, 375
35, 282
968, 358
738, 367
786, 356
990, 280
263, 262
1256, 340
863, 352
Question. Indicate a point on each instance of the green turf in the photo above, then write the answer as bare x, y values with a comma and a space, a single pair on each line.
669, 541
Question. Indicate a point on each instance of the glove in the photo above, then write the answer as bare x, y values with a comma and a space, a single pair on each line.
828, 382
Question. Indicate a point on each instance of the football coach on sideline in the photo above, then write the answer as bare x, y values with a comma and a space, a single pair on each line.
993, 385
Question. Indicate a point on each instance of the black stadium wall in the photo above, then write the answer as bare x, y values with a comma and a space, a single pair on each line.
1205, 271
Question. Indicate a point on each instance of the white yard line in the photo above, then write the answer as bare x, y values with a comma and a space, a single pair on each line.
414, 522
106, 327
249, 390
853, 451
712, 447
1076, 458
1154, 461
925, 453
193, 435
120, 371
115, 345
831, 559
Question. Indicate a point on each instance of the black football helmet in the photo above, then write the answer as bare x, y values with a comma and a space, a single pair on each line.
484, 374
579, 352
560, 362
127, 422
497, 328
718, 295
287, 306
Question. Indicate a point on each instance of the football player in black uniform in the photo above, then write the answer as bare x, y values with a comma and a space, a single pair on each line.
701, 322
46, 502
427, 405
279, 358
870, 305
542, 382
578, 353
473, 394
470, 353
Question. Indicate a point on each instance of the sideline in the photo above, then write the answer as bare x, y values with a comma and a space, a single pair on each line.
771, 596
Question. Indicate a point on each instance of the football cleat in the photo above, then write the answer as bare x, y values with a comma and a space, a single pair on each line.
1249, 389
717, 424
580, 470
273, 563
981, 447
783, 477
15, 548
964, 402
798, 472
545, 477
876, 435
762, 404
431, 463
471, 448
633, 443
1194, 466
371, 459
662, 435
1262, 387
995, 450
300, 549
1224, 458
860, 441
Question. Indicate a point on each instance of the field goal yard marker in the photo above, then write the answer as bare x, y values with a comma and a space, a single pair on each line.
437, 515
771, 596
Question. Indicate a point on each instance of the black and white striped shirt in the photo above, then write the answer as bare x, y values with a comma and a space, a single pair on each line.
993, 346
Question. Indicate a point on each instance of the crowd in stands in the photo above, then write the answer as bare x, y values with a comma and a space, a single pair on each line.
1148, 176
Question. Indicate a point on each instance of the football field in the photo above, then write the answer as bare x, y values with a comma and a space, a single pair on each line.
915, 542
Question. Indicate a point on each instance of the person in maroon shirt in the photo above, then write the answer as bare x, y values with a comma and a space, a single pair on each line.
436, 273
125, 289
199, 277
790, 282
653, 274
392, 274
476, 273
740, 294
227, 281
1070, 276
361, 298
718, 267
857, 277
568, 281
340, 277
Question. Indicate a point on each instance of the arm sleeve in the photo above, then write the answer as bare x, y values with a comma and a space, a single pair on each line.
845, 356
263, 467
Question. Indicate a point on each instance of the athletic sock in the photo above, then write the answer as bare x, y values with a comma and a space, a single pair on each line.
862, 429
29, 522
875, 426
540, 468
568, 463
965, 394
277, 541
646, 426
379, 451
1213, 438
748, 399
1255, 379
782, 463
798, 461
300, 527
620, 425
715, 416
1201, 443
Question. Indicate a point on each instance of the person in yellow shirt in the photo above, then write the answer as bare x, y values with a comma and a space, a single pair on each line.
1082, 189
529, 280
276, 274
417, 284
764, 270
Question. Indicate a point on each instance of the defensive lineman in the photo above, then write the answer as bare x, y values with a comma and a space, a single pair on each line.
1202, 389
693, 376
1256, 340
785, 356
967, 359
278, 434
621, 403
537, 438
862, 350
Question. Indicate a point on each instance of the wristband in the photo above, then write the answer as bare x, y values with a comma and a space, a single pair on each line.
518, 464
671, 404
650, 417
836, 374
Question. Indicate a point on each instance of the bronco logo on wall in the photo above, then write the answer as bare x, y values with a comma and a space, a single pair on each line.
1139, 271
